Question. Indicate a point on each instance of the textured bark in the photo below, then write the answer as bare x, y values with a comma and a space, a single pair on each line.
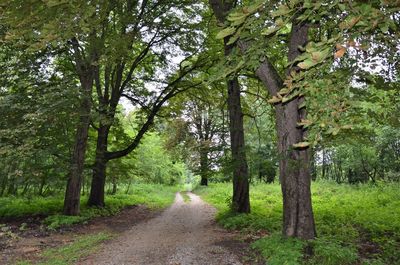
240, 198
73, 191
204, 166
298, 219
96, 197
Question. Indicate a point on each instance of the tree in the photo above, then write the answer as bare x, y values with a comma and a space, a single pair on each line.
240, 198
289, 26
199, 128
107, 44
144, 27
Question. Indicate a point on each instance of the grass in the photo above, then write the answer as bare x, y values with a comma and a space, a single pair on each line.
185, 197
69, 254
152, 195
355, 224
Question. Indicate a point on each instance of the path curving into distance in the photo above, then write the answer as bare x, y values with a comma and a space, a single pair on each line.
184, 234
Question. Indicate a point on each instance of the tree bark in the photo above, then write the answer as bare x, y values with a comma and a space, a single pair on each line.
298, 218
97, 190
73, 191
203, 166
240, 198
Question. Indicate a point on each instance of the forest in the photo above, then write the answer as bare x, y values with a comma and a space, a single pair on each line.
280, 117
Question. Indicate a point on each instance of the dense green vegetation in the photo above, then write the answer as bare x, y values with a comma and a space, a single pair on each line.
105, 104
354, 223
154, 196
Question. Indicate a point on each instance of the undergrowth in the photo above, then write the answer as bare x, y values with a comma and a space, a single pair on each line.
70, 253
355, 224
152, 195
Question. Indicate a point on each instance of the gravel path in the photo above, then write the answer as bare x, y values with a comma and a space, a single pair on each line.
184, 234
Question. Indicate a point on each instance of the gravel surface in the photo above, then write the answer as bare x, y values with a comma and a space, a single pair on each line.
184, 234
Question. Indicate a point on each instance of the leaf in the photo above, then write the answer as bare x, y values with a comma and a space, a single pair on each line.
284, 91
292, 96
235, 37
225, 32
281, 11
301, 145
304, 123
302, 105
274, 100
347, 127
269, 31
334, 131
339, 53
237, 19
306, 64
53, 3
319, 56
254, 7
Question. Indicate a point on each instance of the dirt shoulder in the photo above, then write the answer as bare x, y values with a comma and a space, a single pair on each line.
29, 242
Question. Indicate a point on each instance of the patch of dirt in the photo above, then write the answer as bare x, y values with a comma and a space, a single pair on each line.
27, 243
367, 249
184, 234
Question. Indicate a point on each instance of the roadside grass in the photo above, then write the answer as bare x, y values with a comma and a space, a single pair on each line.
69, 254
185, 197
356, 224
152, 195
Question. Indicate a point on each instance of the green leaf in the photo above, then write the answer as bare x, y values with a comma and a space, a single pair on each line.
226, 32
306, 64
301, 105
235, 37
281, 11
270, 31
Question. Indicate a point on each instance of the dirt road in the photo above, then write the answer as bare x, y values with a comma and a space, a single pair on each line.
184, 234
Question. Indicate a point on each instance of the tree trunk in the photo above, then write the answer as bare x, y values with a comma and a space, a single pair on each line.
203, 166
298, 218
73, 191
114, 186
294, 175
96, 197
240, 198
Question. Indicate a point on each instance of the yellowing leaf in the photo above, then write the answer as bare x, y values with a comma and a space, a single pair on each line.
339, 53
274, 100
306, 64
301, 145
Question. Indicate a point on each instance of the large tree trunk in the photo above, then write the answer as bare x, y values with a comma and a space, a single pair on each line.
203, 166
298, 218
73, 191
96, 197
240, 198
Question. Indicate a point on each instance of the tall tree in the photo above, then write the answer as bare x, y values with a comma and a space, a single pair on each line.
262, 30
133, 33
240, 199
73, 28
